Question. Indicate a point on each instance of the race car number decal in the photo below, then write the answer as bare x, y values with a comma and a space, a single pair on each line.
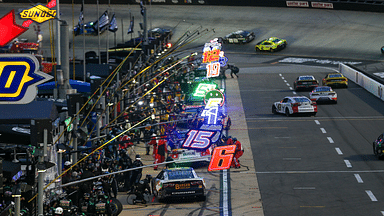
222, 158
197, 139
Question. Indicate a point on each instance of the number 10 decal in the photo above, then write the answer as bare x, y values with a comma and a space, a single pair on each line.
198, 139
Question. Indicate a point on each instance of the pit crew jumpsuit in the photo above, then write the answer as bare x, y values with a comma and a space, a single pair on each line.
160, 153
238, 153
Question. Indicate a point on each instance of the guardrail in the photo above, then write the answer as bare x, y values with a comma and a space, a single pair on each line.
367, 81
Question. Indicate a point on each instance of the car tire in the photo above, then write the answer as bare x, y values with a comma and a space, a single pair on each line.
203, 198
374, 149
274, 111
314, 114
271, 50
382, 49
257, 49
287, 112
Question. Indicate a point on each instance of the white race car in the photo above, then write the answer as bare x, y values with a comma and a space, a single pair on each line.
295, 105
323, 94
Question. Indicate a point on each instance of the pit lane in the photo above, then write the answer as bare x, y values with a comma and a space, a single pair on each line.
327, 34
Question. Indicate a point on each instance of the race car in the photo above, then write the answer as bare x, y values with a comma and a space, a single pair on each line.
239, 37
335, 80
271, 44
378, 146
305, 82
323, 94
160, 33
185, 157
295, 105
178, 183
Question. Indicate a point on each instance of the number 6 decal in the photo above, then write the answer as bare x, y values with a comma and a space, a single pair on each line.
222, 158
198, 139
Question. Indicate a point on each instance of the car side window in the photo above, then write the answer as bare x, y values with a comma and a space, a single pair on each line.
380, 137
285, 100
161, 175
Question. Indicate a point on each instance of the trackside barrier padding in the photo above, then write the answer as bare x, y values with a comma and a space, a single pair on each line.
359, 77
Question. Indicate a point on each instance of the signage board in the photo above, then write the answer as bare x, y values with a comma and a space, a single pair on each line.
19, 76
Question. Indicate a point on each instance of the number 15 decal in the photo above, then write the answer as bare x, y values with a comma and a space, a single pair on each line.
198, 139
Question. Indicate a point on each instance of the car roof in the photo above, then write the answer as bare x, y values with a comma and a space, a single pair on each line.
306, 76
178, 168
336, 75
323, 88
293, 97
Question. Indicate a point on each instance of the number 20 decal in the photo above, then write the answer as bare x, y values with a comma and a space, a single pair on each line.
198, 139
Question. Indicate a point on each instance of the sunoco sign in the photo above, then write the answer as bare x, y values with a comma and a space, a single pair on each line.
39, 14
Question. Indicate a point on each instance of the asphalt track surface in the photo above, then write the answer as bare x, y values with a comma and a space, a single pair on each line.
321, 165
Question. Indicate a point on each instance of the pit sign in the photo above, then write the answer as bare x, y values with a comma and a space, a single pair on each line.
19, 77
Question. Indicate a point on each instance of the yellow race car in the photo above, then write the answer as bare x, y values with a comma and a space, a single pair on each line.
272, 44
335, 80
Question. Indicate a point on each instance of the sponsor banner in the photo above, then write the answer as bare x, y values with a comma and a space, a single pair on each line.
322, 5
180, 2
297, 4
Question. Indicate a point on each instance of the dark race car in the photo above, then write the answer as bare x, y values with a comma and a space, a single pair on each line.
239, 37
307, 82
178, 183
160, 33
378, 146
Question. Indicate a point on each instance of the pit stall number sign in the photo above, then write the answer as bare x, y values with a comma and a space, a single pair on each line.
214, 58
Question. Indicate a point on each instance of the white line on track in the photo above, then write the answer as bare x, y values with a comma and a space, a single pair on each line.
358, 178
290, 88
348, 164
304, 188
291, 158
225, 193
317, 122
280, 74
282, 77
339, 151
323, 130
294, 92
285, 81
370, 194
330, 140
287, 84
382, 212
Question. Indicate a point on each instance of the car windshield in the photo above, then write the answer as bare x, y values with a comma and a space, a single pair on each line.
320, 89
180, 174
243, 33
335, 75
306, 78
301, 100
276, 40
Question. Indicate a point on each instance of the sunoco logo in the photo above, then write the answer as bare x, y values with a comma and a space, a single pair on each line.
39, 14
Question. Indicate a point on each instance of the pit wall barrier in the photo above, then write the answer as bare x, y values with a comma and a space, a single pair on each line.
367, 81
354, 5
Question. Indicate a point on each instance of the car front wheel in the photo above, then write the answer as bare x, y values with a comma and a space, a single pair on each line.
374, 149
274, 111
287, 112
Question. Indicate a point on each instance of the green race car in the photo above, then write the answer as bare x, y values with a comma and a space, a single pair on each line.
272, 44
